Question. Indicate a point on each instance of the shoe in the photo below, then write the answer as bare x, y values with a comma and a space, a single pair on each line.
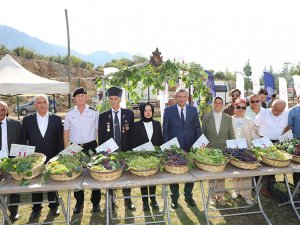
221, 201
265, 192
249, 201
213, 201
234, 195
174, 205
35, 214
54, 211
154, 205
146, 207
129, 205
77, 209
96, 208
190, 202
14, 216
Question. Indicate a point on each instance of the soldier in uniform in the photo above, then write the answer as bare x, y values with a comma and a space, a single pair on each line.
116, 123
80, 127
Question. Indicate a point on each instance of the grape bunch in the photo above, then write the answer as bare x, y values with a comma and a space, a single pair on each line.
244, 154
105, 163
228, 151
297, 150
143, 163
209, 156
174, 158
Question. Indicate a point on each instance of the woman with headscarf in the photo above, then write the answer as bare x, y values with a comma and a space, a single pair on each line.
144, 131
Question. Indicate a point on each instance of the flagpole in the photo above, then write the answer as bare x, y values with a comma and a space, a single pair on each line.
69, 58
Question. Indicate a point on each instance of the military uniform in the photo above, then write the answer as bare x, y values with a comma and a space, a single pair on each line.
83, 131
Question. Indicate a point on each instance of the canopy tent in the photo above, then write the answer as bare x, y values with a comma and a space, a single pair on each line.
16, 80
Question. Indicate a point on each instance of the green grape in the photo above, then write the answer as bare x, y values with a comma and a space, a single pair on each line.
143, 163
208, 156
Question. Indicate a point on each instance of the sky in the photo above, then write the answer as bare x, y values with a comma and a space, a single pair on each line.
217, 34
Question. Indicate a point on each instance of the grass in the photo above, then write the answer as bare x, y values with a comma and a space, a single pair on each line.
183, 215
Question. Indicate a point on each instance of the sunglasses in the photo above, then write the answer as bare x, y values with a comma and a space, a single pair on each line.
257, 101
241, 107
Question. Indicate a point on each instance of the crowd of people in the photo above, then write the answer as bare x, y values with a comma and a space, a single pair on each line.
84, 126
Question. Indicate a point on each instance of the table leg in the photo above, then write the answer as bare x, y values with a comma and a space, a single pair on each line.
68, 208
257, 190
291, 196
166, 203
205, 205
108, 207
4, 210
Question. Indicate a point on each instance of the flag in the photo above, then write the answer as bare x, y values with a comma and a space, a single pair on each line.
269, 84
296, 79
211, 83
283, 91
240, 83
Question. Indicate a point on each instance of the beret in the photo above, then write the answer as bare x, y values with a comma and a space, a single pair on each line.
79, 90
114, 91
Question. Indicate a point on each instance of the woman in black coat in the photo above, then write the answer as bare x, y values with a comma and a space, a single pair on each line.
144, 131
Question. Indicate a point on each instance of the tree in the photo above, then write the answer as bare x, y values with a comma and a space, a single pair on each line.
247, 70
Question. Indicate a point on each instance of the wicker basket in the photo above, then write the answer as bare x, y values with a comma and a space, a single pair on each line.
63, 176
103, 176
276, 162
296, 158
176, 169
37, 170
211, 167
244, 165
144, 173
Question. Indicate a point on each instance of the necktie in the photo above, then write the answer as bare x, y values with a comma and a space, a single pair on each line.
117, 132
0, 136
182, 117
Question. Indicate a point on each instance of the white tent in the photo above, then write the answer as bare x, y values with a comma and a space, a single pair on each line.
15, 79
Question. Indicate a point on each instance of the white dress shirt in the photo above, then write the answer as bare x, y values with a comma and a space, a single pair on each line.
83, 126
42, 122
184, 111
218, 118
271, 126
4, 146
149, 129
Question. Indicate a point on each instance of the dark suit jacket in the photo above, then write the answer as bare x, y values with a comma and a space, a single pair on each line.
52, 143
210, 132
13, 132
172, 126
139, 134
105, 127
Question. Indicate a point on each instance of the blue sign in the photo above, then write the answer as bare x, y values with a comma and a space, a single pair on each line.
269, 84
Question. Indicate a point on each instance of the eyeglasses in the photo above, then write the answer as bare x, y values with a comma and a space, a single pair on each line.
257, 101
236, 95
241, 107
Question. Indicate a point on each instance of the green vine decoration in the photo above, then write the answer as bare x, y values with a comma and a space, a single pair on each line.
151, 76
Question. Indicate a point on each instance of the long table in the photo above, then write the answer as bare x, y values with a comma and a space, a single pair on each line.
128, 180
10, 186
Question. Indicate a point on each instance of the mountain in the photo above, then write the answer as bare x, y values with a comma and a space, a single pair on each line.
12, 38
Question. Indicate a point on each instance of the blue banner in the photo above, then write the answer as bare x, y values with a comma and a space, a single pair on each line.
211, 83
269, 84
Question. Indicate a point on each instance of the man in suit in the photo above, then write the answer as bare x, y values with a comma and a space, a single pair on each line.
9, 134
43, 130
182, 121
217, 128
116, 123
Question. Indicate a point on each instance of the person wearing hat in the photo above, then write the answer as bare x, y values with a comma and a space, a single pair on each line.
234, 94
80, 127
116, 123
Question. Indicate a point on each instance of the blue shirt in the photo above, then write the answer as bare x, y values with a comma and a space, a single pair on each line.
294, 120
